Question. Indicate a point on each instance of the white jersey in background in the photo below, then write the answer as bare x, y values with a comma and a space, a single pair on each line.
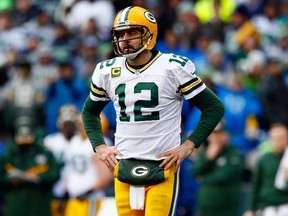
58, 145
81, 170
148, 101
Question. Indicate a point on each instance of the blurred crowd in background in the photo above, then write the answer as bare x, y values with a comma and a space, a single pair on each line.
49, 48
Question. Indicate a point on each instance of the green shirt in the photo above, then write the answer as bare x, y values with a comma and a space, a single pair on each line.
26, 196
220, 182
263, 192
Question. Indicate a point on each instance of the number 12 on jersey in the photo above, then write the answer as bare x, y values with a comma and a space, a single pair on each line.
139, 104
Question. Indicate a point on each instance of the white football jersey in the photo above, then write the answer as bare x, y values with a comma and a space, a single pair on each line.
58, 145
81, 173
148, 101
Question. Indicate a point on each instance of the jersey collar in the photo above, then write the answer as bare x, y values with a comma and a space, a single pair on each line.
137, 70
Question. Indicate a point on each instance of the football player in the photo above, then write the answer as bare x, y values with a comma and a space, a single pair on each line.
58, 143
147, 88
86, 176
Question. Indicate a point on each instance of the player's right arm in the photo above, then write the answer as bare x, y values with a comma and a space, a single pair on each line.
92, 121
92, 125
94, 104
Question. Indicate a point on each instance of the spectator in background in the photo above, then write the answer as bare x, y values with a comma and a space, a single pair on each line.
243, 110
187, 25
63, 10
101, 11
170, 43
267, 23
188, 188
253, 8
273, 92
86, 175
24, 11
283, 18
219, 169
42, 26
167, 15
198, 54
219, 66
68, 89
86, 58
90, 32
237, 30
27, 173
11, 37
59, 143
23, 100
252, 68
30, 51
44, 70
63, 44
264, 197
248, 39
282, 47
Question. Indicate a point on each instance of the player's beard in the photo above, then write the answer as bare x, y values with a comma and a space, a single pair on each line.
127, 48
130, 52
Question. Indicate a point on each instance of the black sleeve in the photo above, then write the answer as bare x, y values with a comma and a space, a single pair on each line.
212, 110
92, 122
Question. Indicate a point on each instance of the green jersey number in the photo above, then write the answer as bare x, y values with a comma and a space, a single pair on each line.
139, 104
179, 59
107, 63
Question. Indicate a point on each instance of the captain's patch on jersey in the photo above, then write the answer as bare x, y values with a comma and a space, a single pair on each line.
116, 72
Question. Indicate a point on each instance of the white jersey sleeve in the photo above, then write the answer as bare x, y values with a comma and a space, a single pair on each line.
189, 83
100, 78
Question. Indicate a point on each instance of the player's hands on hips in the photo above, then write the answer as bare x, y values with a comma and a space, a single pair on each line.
177, 155
107, 154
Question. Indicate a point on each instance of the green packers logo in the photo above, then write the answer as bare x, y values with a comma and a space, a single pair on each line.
140, 171
115, 72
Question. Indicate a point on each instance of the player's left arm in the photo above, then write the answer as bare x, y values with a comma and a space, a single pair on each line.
212, 111
193, 89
